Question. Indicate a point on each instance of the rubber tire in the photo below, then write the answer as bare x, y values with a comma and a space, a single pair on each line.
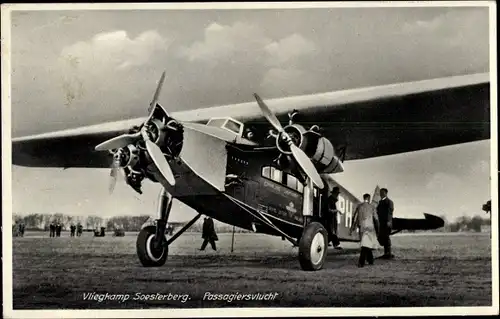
142, 251
305, 243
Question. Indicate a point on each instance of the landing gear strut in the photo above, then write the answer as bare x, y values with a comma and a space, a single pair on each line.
151, 248
313, 243
152, 244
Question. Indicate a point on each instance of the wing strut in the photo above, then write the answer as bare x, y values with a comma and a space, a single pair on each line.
265, 220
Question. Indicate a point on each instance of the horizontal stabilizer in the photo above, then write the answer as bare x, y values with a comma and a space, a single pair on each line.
427, 223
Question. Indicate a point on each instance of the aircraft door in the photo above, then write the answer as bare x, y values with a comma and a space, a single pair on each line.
245, 191
237, 191
251, 189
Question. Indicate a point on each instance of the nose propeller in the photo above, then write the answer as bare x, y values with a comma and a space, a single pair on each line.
154, 151
302, 159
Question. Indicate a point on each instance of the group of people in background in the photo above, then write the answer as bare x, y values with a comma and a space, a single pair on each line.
56, 228
18, 229
78, 229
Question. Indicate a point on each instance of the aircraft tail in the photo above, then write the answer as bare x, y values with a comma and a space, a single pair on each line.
376, 196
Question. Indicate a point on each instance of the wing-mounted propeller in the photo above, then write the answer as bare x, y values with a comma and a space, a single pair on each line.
288, 143
158, 137
115, 167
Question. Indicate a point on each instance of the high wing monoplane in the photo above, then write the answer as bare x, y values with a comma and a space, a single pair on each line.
266, 165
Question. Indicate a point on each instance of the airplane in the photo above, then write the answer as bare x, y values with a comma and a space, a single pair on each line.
240, 165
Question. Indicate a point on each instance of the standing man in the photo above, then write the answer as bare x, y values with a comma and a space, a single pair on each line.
21, 229
208, 234
331, 221
79, 229
58, 229
365, 217
52, 229
72, 229
385, 209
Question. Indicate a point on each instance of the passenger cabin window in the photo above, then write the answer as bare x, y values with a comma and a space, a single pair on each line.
276, 175
282, 178
291, 181
300, 187
266, 172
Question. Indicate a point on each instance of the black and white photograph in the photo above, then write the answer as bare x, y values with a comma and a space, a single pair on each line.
249, 159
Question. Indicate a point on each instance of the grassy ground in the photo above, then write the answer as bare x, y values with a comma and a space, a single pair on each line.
430, 270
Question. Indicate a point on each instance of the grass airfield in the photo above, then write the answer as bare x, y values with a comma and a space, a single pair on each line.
429, 270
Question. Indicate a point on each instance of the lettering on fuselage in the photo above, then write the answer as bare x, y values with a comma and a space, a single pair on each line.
290, 214
282, 190
346, 207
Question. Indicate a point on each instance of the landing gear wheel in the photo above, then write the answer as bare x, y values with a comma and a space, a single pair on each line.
313, 246
146, 251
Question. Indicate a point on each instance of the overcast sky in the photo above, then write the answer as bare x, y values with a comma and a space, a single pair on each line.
73, 68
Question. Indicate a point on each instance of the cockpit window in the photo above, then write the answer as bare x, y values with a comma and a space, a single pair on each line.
216, 122
233, 126
227, 124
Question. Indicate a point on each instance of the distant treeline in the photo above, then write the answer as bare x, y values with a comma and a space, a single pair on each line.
464, 223
127, 223
134, 223
42, 221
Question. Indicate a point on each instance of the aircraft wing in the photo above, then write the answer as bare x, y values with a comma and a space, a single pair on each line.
369, 122
382, 120
69, 148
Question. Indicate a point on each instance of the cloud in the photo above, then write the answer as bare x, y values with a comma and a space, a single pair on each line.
456, 27
243, 57
222, 42
246, 43
104, 64
289, 48
114, 50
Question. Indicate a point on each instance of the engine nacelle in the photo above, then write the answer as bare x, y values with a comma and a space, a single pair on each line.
319, 149
323, 156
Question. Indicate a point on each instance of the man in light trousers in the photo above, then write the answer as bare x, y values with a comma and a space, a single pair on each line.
365, 217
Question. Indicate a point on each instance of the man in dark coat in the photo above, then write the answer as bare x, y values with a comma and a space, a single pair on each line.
331, 221
385, 209
52, 229
58, 229
21, 229
73, 229
79, 229
209, 234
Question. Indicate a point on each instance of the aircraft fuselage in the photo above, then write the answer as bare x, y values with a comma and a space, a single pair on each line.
234, 184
